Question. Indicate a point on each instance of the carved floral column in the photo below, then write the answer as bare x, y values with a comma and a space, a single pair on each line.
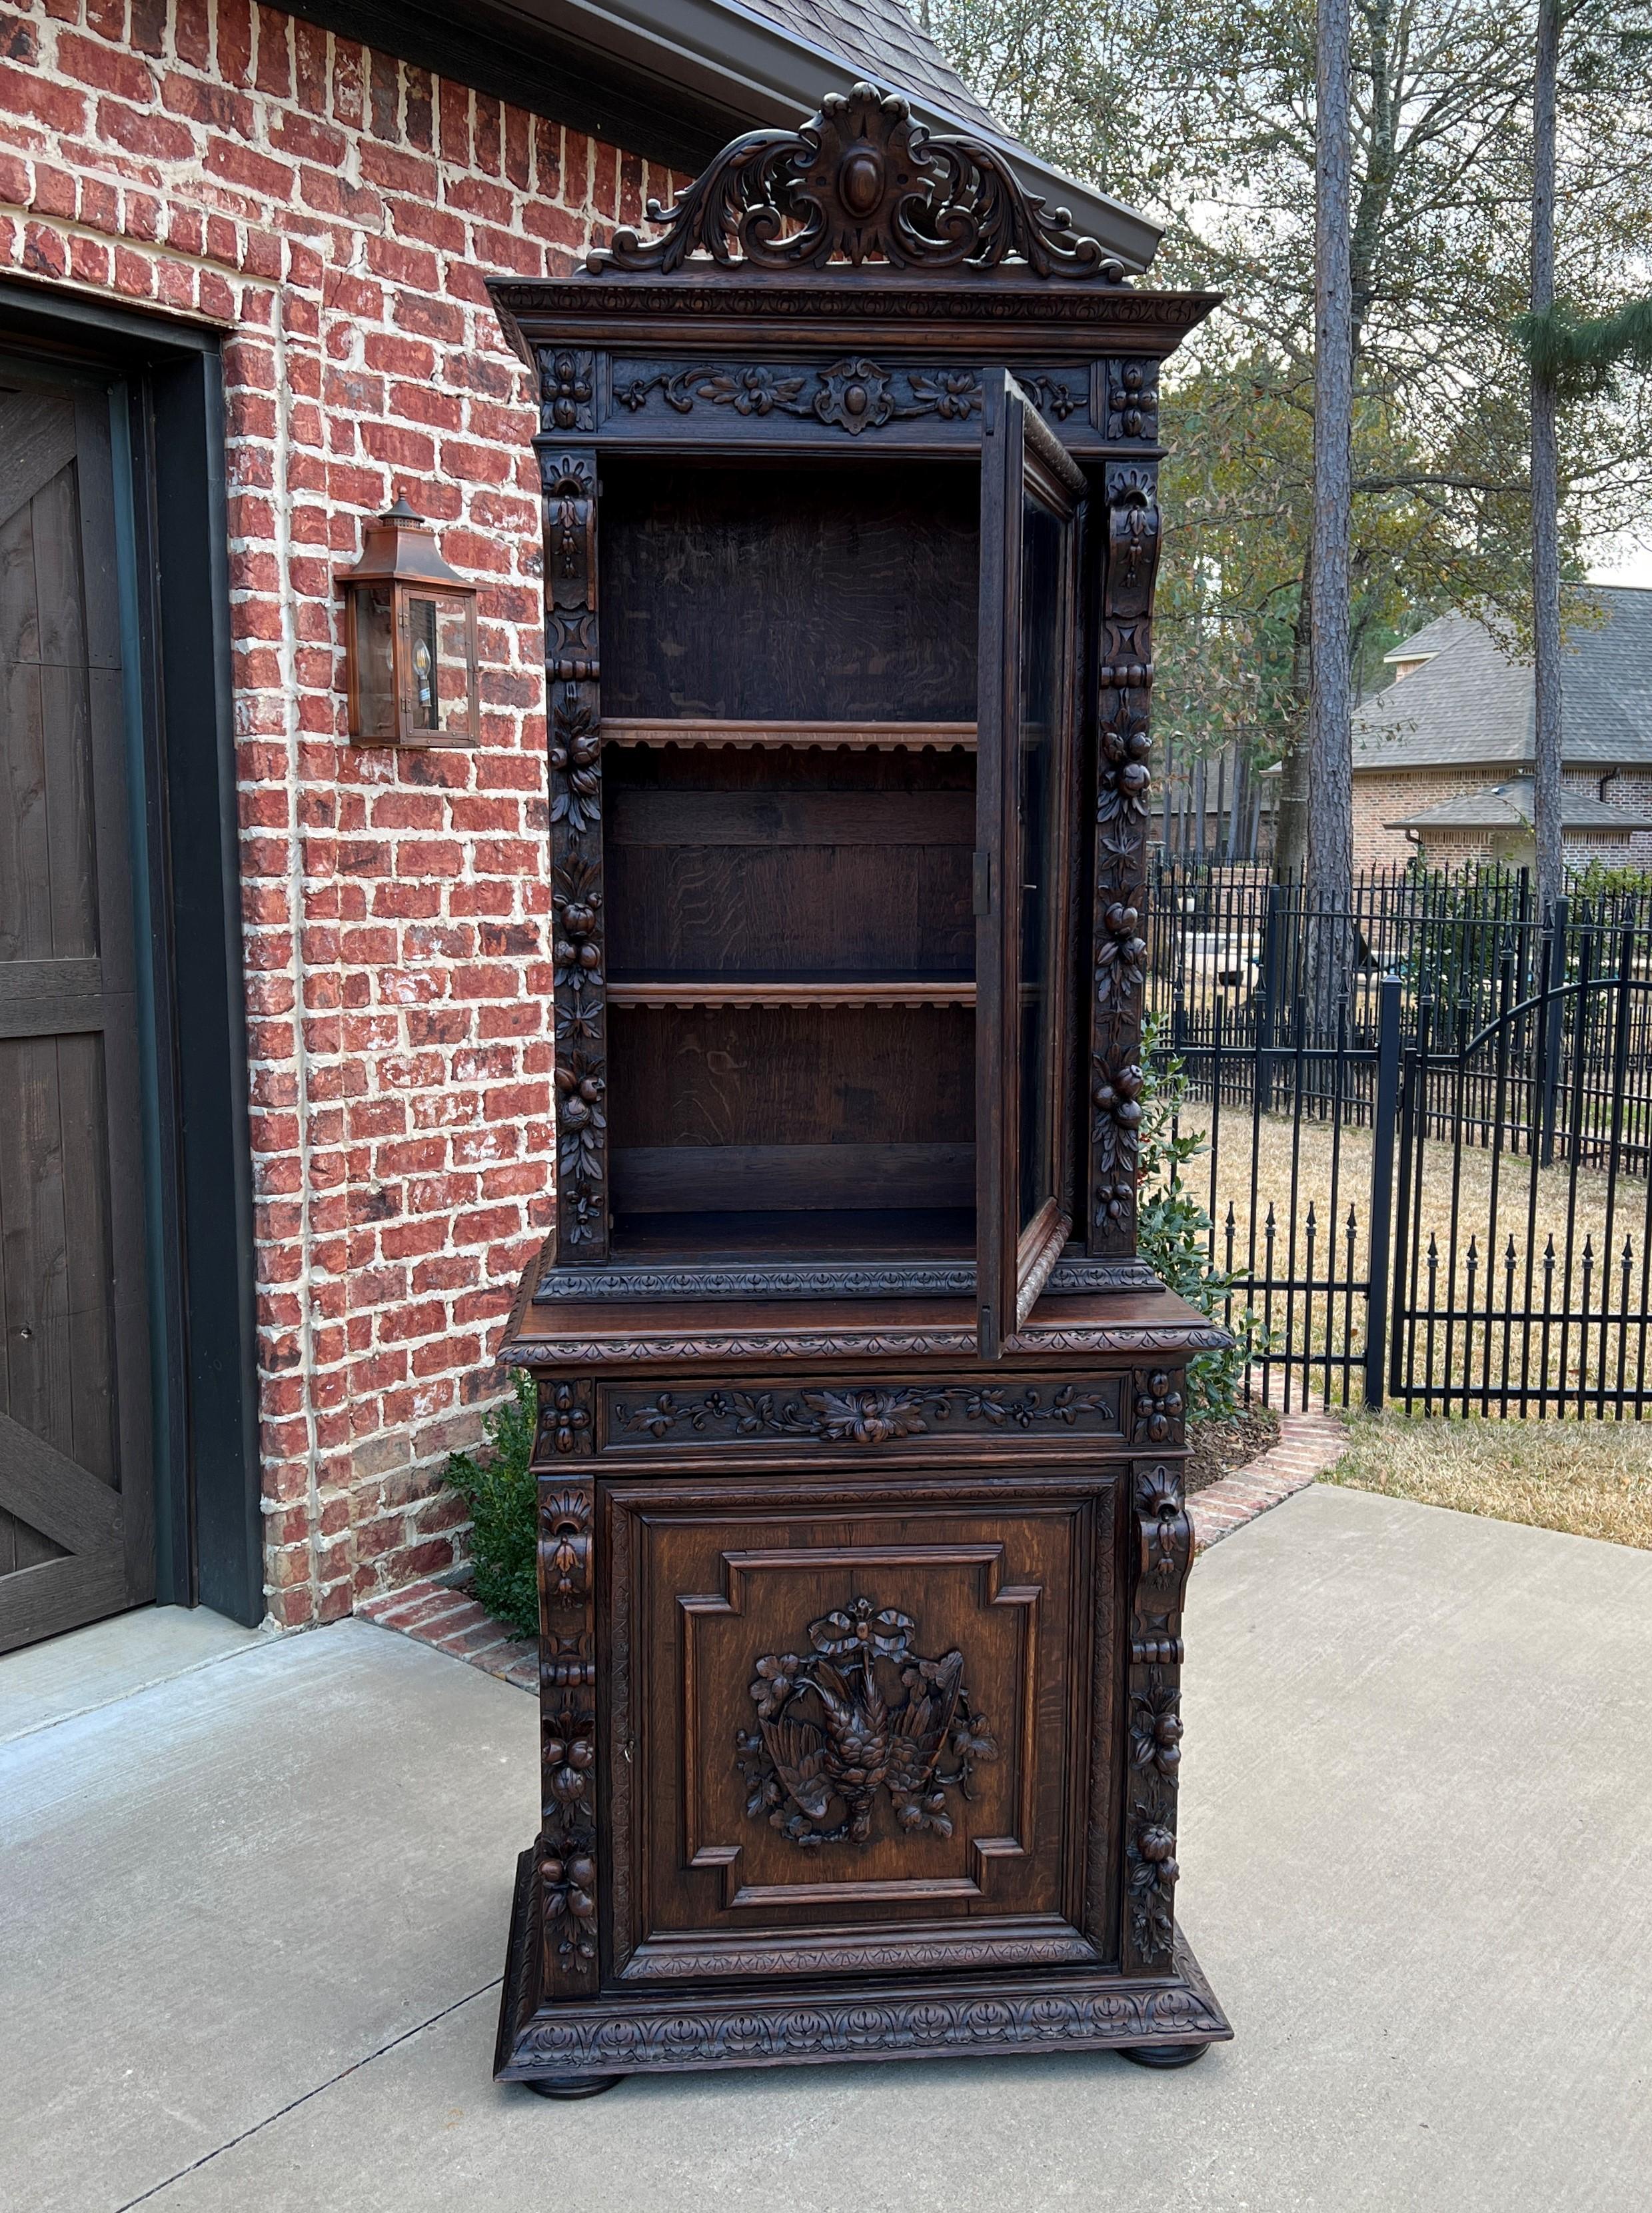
572, 669
1163, 1553
567, 1851
1124, 681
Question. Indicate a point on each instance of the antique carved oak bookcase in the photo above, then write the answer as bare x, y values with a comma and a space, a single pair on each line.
862, 1532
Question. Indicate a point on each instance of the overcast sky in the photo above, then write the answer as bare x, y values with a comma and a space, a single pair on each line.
1627, 563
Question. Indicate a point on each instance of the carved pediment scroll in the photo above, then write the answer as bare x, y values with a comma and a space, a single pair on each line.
861, 182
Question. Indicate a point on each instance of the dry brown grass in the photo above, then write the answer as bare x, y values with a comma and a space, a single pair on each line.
1592, 1479
1495, 1202
1475, 1169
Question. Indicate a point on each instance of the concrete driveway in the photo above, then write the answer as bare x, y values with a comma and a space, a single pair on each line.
251, 1918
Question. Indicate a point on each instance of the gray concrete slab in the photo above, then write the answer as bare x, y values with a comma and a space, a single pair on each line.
1420, 1800
70, 1674
229, 1889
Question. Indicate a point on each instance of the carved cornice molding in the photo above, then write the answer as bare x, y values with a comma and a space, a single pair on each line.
1156, 320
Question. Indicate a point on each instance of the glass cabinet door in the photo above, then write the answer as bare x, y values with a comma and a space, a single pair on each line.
1031, 488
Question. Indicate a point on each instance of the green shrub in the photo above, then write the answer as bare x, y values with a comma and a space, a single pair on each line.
1172, 1236
500, 1491
1604, 879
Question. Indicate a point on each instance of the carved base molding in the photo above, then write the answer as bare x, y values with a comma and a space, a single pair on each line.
570, 2041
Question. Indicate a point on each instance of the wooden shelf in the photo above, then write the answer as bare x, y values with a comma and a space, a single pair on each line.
805, 992
866, 737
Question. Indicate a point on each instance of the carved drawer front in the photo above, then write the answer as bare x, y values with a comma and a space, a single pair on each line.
858, 1726
858, 1419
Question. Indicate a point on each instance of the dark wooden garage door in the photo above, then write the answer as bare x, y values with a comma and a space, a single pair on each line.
76, 1478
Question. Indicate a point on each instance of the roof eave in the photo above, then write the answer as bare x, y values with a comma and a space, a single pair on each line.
767, 77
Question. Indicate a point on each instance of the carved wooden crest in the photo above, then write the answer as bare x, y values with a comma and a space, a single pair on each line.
861, 1713
862, 182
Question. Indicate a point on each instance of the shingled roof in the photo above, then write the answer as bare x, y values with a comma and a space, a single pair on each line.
1510, 807
1472, 702
881, 41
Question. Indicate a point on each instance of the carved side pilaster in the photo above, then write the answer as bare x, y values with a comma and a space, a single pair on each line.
566, 1854
573, 719
1124, 680
1163, 1550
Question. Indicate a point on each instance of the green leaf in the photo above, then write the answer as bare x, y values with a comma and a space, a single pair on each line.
502, 1494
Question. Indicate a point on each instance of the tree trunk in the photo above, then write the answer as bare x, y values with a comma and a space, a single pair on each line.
1330, 714
1290, 808
1545, 478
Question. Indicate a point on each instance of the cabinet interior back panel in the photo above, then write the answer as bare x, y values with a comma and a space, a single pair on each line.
804, 1076
788, 862
845, 593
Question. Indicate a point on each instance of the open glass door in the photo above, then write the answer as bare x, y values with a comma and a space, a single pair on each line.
1030, 490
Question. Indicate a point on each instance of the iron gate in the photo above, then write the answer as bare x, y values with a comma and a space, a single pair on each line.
1530, 1296
1449, 1208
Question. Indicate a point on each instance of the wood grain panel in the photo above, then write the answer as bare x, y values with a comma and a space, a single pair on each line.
75, 1535
725, 1076
43, 999
699, 1179
858, 909
25, 861
791, 768
791, 818
789, 861
843, 592
50, 1596
52, 1493
38, 443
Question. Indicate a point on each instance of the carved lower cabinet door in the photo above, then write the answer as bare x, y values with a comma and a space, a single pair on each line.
860, 1727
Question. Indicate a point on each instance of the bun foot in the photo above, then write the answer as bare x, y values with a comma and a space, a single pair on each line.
1162, 2055
572, 2086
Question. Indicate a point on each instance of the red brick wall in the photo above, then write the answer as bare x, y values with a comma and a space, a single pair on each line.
1385, 795
335, 212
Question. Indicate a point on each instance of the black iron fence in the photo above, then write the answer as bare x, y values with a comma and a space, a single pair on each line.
1439, 1190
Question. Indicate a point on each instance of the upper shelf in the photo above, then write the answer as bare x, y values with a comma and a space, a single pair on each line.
691, 730
791, 991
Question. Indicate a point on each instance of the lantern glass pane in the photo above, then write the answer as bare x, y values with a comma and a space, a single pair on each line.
457, 701
437, 674
376, 680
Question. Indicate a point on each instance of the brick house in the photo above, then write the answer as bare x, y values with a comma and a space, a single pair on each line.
275, 1061
1442, 757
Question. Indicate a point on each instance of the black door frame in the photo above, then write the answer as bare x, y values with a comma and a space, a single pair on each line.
209, 1522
